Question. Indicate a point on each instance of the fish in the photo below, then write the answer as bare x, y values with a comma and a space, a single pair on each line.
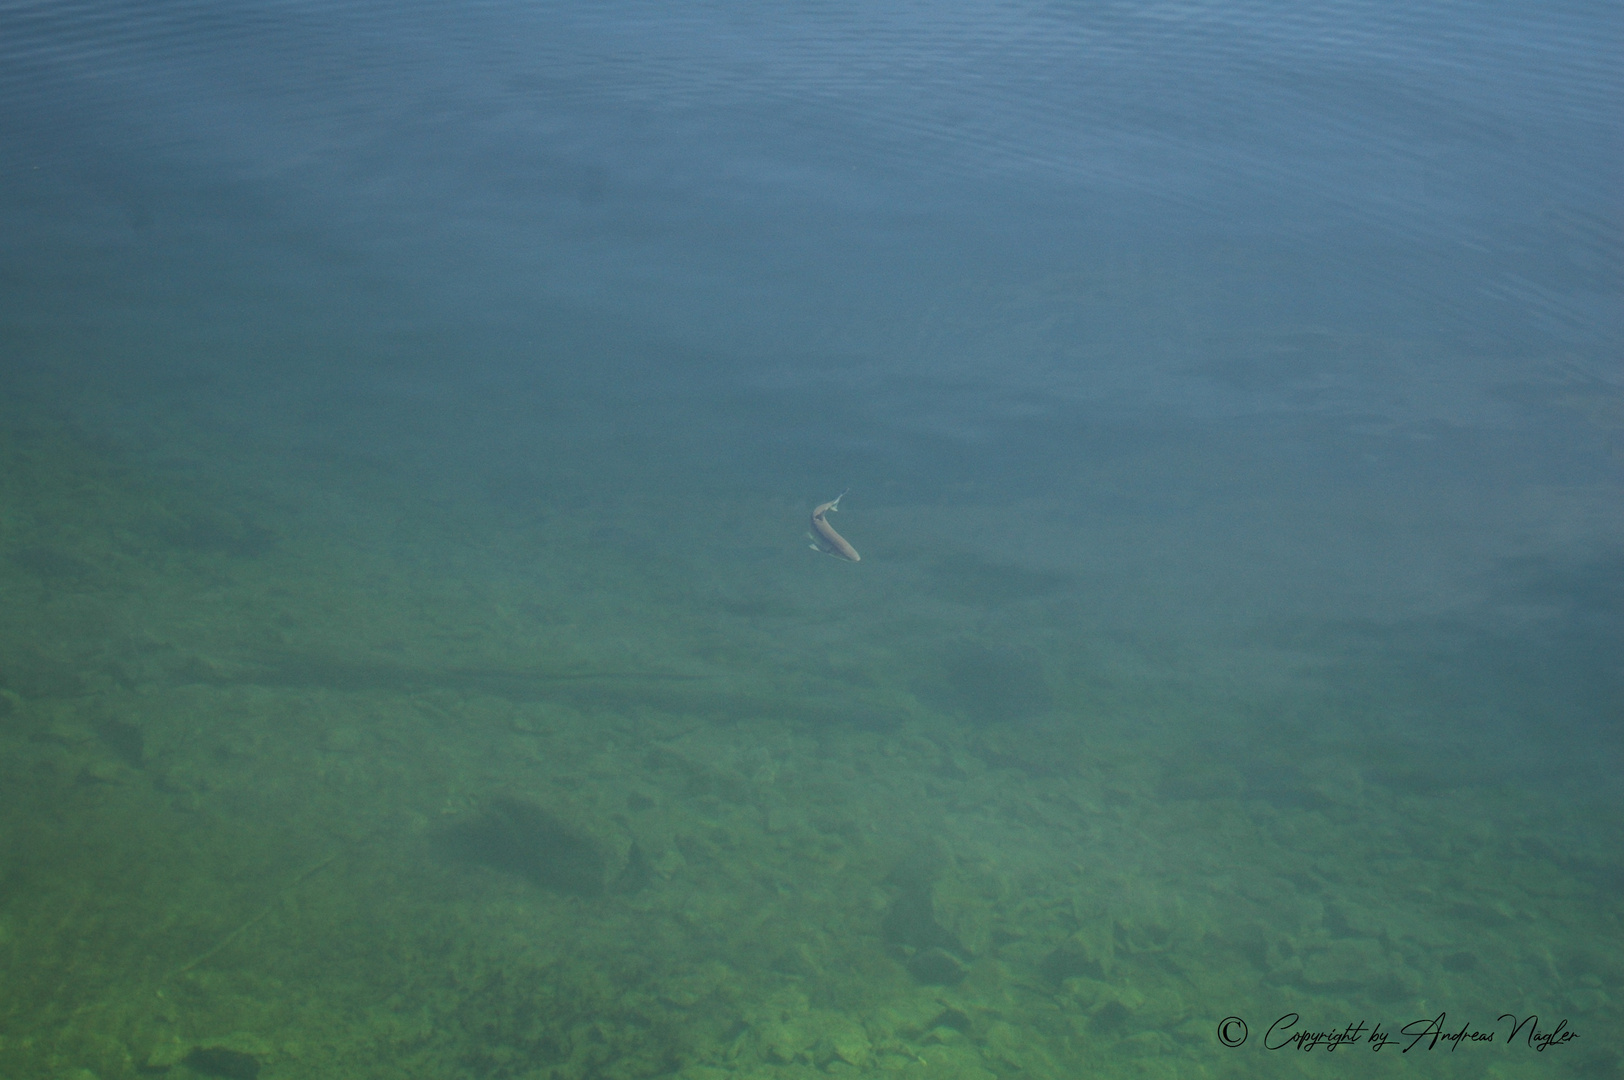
823, 535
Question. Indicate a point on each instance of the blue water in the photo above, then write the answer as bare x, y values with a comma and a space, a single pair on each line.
411, 658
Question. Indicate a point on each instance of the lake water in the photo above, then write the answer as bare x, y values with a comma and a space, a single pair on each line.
412, 662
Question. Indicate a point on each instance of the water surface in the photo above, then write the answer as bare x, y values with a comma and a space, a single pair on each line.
411, 661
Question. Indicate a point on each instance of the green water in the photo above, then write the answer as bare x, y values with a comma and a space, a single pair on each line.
316, 768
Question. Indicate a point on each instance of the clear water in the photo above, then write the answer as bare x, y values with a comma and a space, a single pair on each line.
411, 660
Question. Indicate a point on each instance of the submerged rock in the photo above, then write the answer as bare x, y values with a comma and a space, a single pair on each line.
223, 1062
556, 847
937, 967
